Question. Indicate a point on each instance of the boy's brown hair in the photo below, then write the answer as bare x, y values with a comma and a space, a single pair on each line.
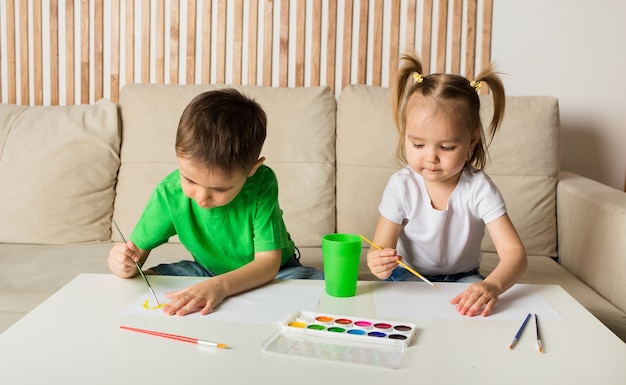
223, 129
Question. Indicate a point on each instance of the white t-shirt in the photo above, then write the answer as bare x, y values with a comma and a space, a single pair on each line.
441, 241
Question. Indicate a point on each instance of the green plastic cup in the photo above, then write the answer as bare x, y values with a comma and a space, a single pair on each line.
341, 254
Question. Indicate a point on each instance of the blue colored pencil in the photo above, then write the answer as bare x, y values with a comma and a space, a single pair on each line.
519, 332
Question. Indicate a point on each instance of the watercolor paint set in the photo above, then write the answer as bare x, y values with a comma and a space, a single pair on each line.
350, 328
342, 338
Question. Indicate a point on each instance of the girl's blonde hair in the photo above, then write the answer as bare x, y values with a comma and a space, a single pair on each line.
455, 95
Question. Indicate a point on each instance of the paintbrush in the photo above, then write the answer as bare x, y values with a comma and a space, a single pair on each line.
177, 337
409, 268
137, 264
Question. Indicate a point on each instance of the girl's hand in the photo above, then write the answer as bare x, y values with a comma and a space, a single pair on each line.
203, 297
122, 257
479, 298
382, 262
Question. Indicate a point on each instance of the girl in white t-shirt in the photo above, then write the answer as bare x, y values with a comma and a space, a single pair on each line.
434, 211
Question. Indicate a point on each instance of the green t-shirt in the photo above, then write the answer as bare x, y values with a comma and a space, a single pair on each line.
221, 239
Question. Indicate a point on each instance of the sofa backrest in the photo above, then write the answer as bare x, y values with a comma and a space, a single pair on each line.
58, 166
300, 148
524, 162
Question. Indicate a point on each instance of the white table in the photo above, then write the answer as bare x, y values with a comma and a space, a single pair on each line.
74, 338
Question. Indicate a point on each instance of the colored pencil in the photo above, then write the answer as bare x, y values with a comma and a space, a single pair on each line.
409, 268
138, 267
519, 332
176, 337
539, 344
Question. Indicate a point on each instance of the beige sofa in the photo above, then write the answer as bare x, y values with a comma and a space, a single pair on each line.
65, 171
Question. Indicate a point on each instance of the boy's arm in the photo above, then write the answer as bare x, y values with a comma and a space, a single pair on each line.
206, 295
260, 271
122, 256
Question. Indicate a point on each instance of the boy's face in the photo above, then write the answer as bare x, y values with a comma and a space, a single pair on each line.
210, 187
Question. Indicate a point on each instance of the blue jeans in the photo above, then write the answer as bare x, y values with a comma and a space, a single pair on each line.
292, 269
402, 274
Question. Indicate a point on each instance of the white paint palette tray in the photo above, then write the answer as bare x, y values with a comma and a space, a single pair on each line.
334, 337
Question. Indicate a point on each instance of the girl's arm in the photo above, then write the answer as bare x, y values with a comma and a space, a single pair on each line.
480, 298
206, 295
511, 251
382, 262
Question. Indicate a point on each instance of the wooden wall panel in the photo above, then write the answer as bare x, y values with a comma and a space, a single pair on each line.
287, 43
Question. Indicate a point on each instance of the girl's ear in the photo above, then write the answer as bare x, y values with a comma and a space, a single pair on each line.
256, 166
475, 138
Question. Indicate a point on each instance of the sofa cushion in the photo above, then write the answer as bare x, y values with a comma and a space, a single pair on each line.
300, 148
524, 162
58, 167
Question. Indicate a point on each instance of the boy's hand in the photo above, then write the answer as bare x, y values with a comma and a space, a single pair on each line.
204, 297
382, 262
122, 259
479, 298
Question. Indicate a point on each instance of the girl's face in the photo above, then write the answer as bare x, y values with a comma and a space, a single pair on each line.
209, 187
436, 148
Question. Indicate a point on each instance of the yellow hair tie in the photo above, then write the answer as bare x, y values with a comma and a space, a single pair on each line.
417, 78
476, 84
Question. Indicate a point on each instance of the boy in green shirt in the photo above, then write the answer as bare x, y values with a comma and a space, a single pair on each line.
223, 204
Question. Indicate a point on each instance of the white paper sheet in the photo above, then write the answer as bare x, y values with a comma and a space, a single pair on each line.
423, 301
266, 304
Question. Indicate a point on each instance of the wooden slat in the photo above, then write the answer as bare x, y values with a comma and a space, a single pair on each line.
377, 51
300, 41
253, 33
486, 33
221, 42
411, 14
427, 26
115, 50
283, 41
394, 40
145, 41
84, 52
361, 75
54, 52
442, 31
237, 70
70, 74
331, 48
1, 85
130, 41
11, 54
24, 63
346, 59
37, 53
160, 42
316, 42
190, 56
206, 42
457, 20
470, 41
268, 31
485, 54
174, 40
98, 50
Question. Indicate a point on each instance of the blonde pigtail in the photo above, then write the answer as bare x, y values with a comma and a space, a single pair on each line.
408, 77
491, 78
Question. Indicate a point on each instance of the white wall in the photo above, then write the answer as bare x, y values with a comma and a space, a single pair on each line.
574, 50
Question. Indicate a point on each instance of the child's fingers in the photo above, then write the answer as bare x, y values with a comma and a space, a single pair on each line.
477, 299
